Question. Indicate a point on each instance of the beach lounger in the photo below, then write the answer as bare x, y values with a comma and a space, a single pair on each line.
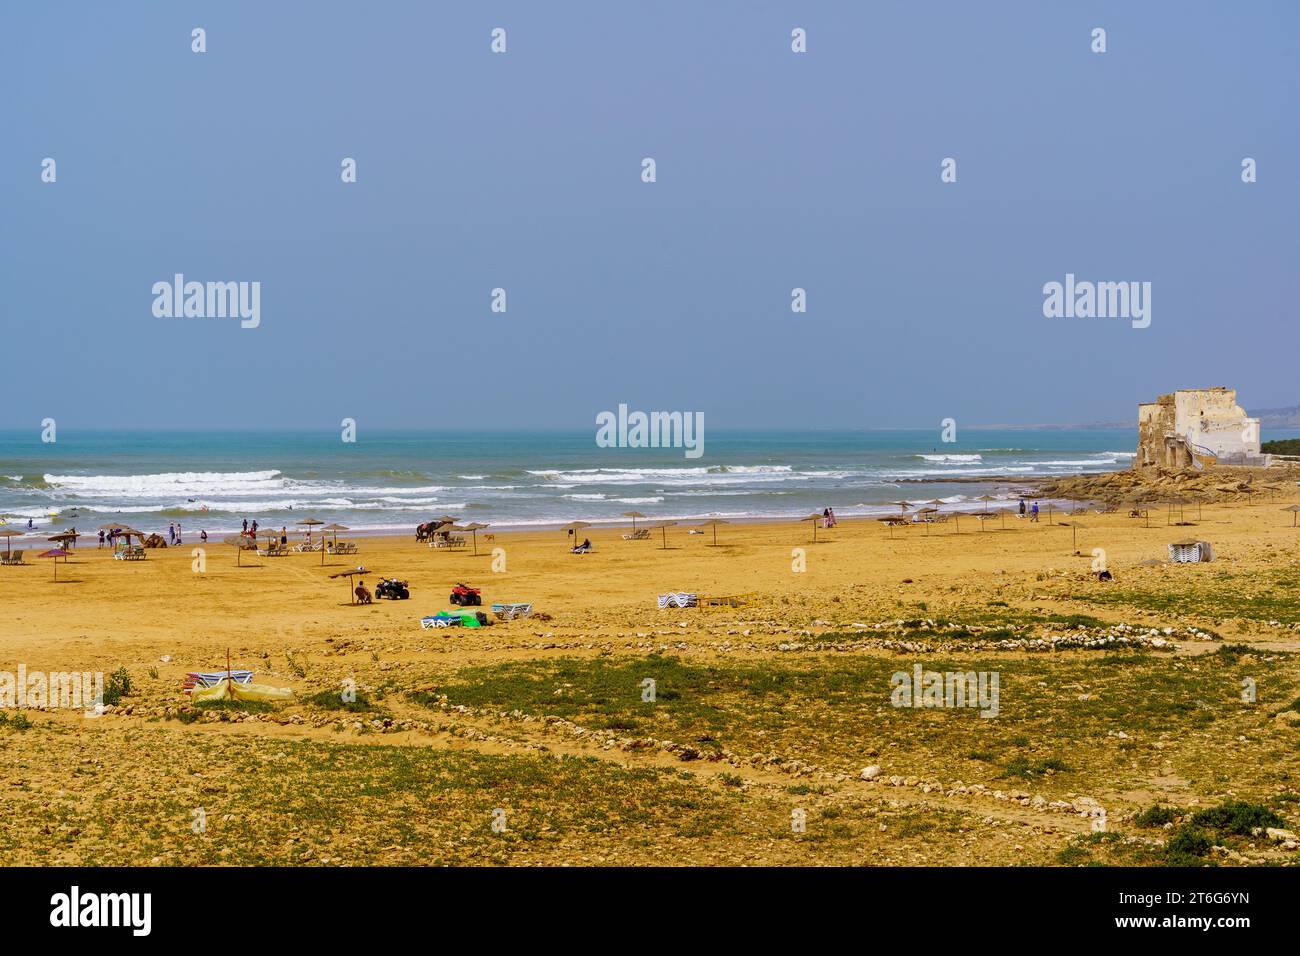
639, 534
728, 600
15, 558
678, 599
508, 612
343, 547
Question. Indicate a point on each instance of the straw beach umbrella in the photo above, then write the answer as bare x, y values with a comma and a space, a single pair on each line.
474, 528
902, 505
334, 529
633, 515
924, 514
814, 518
1294, 509
713, 522
309, 523
55, 554
358, 571
8, 534
1176, 501
663, 526
238, 541
573, 527
986, 499
65, 539
1074, 527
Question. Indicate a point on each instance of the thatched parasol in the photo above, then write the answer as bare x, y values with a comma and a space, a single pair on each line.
1295, 512
7, 534
358, 571
474, 528
239, 542
814, 518
633, 515
663, 526
573, 527
713, 523
55, 554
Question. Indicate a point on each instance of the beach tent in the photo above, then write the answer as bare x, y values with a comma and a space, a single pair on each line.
230, 688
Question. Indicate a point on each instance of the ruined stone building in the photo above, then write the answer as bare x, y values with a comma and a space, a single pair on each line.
1195, 427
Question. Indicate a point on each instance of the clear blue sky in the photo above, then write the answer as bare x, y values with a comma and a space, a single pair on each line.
522, 170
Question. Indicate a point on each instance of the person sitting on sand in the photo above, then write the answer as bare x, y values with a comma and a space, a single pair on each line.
363, 593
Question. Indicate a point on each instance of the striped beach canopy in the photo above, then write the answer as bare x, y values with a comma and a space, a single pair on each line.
211, 678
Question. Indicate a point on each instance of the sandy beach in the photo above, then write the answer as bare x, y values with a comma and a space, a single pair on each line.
777, 706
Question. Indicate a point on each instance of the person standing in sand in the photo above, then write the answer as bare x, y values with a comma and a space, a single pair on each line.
1033, 513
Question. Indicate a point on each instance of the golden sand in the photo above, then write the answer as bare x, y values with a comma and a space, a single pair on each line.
286, 619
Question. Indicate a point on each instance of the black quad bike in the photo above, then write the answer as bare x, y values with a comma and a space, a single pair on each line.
466, 596
392, 589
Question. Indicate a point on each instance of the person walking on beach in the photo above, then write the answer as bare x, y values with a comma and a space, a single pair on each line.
284, 537
171, 533
1022, 507
245, 526
101, 537
203, 536
1033, 513
178, 532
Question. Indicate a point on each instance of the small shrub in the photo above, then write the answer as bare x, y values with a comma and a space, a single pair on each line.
1187, 846
1156, 816
116, 687
1237, 816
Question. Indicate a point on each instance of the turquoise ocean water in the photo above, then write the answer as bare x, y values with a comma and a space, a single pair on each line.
390, 481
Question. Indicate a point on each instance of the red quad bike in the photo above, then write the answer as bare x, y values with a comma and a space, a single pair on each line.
466, 596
